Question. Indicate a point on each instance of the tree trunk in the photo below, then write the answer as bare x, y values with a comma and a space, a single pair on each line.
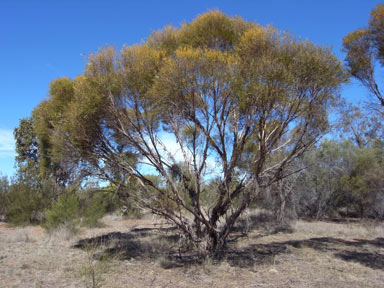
214, 245
281, 212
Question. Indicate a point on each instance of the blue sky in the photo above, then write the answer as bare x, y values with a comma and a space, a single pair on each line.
41, 40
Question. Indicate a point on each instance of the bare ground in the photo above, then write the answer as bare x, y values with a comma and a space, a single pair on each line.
149, 253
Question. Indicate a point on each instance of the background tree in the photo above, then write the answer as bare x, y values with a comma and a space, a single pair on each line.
317, 186
29, 192
360, 127
44, 172
26, 145
284, 190
232, 95
341, 179
361, 189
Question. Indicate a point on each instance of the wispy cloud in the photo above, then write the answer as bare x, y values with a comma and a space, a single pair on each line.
7, 143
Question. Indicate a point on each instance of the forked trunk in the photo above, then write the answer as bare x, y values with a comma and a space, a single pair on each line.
211, 245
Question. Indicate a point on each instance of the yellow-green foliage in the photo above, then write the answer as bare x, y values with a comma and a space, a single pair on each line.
177, 66
212, 30
48, 117
365, 49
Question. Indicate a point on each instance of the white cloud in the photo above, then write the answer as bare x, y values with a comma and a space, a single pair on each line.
7, 143
173, 147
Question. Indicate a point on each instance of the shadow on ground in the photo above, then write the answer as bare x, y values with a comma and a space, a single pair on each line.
362, 251
166, 245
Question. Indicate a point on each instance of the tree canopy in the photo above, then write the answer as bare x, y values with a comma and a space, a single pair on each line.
365, 51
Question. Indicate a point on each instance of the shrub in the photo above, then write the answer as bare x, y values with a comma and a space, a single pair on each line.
4, 189
27, 200
64, 212
95, 207
25, 205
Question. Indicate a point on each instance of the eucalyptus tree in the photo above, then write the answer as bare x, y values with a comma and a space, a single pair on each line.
230, 94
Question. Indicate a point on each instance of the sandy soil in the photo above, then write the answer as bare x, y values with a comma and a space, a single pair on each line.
146, 253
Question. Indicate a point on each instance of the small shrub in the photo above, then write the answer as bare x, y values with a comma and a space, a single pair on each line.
94, 209
94, 269
3, 206
64, 212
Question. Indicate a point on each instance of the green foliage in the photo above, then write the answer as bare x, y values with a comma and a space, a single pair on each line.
376, 25
23, 205
210, 30
48, 116
64, 212
27, 200
318, 184
4, 190
341, 178
95, 206
360, 186
26, 145
79, 207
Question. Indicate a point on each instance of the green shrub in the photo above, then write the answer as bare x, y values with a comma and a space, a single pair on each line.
25, 205
94, 208
64, 212
4, 189
27, 200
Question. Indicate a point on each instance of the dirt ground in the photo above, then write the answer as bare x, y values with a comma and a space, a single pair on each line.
149, 253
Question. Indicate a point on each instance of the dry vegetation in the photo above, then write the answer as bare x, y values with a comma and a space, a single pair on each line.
149, 253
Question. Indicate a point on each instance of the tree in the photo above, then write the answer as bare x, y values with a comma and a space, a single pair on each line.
361, 187
36, 152
26, 147
284, 189
318, 185
47, 117
365, 51
362, 129
40, 178
232, 95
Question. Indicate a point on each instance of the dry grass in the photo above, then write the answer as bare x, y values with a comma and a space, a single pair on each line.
147, 253
363, 229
